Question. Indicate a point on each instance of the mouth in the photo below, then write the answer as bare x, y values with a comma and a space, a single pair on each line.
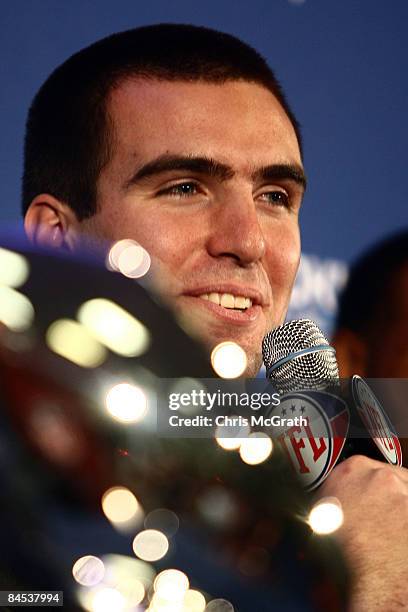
237, 305
228, 300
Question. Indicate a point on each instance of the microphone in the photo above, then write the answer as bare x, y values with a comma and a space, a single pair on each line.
297, 355
302, 367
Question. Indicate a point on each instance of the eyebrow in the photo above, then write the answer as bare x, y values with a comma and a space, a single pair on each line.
211, 167
291, 172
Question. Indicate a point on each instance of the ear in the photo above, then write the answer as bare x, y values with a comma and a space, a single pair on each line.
351, 352
49, 222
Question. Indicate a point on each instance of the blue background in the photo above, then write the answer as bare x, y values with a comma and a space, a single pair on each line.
342, 63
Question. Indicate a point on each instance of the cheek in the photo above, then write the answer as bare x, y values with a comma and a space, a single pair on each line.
283, 255
167, 238
167, 241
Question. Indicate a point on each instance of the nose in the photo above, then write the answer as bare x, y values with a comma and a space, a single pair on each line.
236, 231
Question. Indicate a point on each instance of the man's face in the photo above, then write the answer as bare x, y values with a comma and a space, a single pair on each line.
208, 179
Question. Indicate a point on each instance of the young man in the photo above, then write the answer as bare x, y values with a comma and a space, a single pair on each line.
180, 138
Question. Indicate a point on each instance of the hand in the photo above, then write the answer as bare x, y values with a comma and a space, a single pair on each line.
374, 535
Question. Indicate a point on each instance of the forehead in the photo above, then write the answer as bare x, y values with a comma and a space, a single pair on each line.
199, 117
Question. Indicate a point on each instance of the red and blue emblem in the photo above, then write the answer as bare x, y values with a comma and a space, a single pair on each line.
313, 448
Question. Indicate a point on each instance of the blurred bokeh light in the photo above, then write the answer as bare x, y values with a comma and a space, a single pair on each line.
14, 268
164, 520
16, 310
126, 403
171, 585
230, 437
120, 505
108, 600
114, 327
88, 570
150, 545
129, 258
256, 448
326, 516
71, 340
228, 360
193, 601
219, 605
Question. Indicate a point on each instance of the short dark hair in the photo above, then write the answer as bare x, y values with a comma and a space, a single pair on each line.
68, 134
369, 283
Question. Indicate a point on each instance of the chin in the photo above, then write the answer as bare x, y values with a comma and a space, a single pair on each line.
254, 356
254, 365
203, 329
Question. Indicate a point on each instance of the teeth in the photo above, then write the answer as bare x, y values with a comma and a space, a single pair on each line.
241, 302
227, 300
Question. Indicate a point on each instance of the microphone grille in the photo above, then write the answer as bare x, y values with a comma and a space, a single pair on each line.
290, 361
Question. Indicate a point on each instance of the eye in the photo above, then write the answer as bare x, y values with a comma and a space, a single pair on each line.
277, 197
182, 190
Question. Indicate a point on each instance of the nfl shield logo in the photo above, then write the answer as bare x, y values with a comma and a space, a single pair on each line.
313, 449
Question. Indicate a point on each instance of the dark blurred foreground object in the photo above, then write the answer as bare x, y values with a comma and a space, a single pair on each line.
238, 532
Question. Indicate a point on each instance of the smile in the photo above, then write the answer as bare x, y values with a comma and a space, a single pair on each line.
228, 300
249, 314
